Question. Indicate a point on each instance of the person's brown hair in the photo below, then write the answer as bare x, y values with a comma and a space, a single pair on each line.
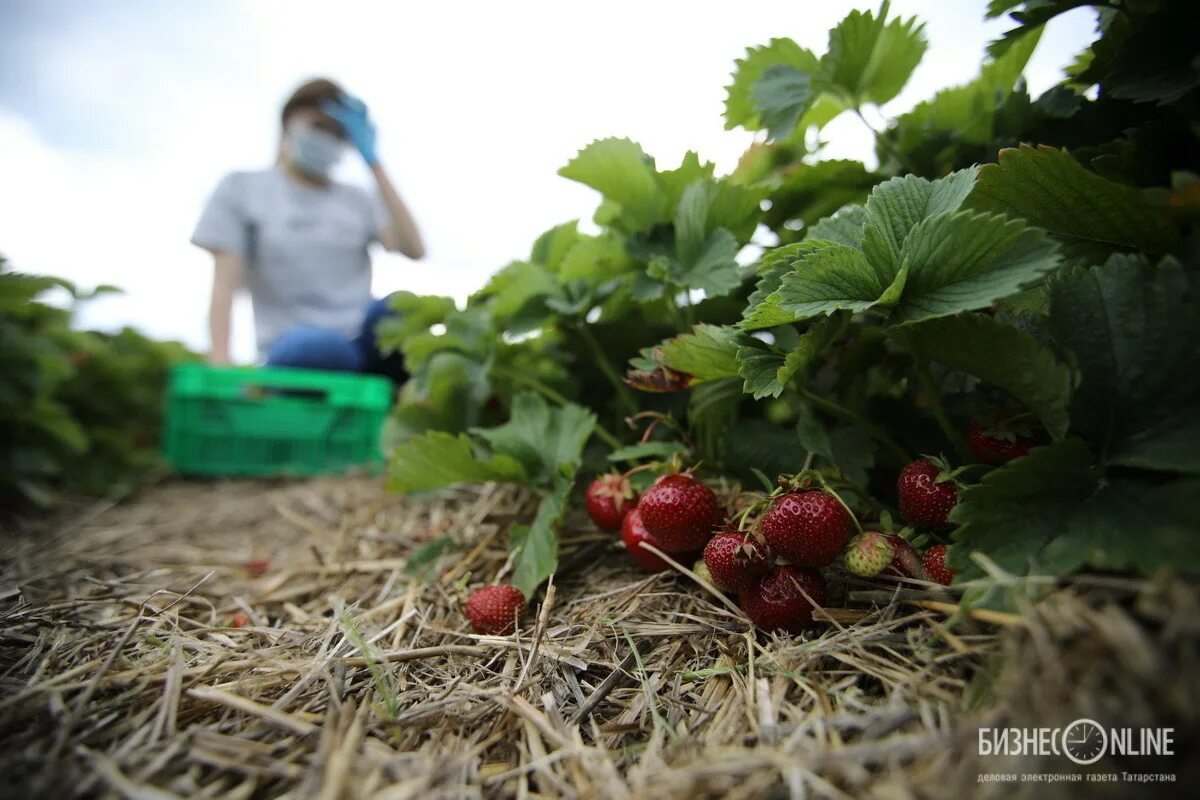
312, 94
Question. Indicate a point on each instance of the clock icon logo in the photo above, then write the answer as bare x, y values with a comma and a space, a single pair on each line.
1084, 741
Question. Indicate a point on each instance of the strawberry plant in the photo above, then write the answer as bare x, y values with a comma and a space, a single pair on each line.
80, 411
1011, 291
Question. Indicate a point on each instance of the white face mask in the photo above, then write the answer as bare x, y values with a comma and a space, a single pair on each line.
313, 150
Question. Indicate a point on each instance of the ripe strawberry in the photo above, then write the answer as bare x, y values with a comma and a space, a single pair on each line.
680, 513
998, 442
495, 609
935, 565
905, 560
808, 528
240, 620
775, 602
869, 554
734, 561
609, 498
924, 500
633, 532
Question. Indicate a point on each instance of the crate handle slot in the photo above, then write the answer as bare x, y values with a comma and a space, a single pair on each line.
261, 391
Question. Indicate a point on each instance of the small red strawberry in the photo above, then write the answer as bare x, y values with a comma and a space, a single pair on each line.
609, 498
869, 554
1000, 441
926, 492
734, 561
808, 528
495, 609
905, 560
680, 512
633, 533
776, 603
935, 565
240, 620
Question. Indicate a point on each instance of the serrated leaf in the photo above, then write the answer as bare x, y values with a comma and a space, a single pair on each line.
740, 108
552, 246
1050, 189
965, 260
771, 268
812, 434
1051, 513
1003, 356
715, 269
544, 440
515, 285
833, 277
414, 314
621, 171
536, 545
708, 352
844, 226
782, 95
896, 206
436, 460
768, 370
595, 259
809, 192
1132, 331
870, 59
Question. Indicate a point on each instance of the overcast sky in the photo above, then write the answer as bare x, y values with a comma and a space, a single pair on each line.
118, 117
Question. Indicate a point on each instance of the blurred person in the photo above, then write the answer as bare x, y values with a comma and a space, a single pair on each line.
298, 241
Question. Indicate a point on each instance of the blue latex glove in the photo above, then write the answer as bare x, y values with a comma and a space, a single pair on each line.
351, 114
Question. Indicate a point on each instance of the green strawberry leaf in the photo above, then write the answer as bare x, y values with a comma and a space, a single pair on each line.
552, 246
437, 459
768, 369
1002, 356
1132, 330
831, 277
595, 260
1052, 512
782, 95
536, 545
896, 206
658, 451
625, 175
708, 353
740, 106
1050, 189
965, 260
870, 59
542, 439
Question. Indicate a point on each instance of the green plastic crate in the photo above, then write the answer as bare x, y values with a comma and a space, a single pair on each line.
271, 421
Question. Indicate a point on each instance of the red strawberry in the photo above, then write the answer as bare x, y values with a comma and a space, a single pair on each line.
680, 513
240, 620
935, 565
808, 528
999, 442
495, 609
924, 500
775, 601
633, 533
734, 561
609, 498
905, 562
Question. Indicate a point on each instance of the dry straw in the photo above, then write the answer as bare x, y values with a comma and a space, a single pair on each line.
124, 676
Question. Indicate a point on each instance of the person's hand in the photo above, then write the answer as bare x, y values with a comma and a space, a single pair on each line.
351, 114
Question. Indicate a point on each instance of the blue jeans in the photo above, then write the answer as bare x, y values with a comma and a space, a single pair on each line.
320, 348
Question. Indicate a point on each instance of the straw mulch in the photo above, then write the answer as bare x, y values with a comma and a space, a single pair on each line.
123, 674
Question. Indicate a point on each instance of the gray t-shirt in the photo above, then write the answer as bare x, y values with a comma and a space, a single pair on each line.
304, 248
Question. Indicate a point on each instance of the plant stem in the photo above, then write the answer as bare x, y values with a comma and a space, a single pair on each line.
623, 394
841, 412
921, 364
554, 397
884, 143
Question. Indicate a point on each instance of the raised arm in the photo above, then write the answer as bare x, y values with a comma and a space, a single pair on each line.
227, 279
402, 234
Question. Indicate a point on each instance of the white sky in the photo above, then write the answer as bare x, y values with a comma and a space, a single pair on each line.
118, 117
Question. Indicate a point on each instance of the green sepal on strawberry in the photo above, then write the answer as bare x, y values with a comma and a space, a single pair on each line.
495, 610
934, 562
609, 498
680, 512
927, 491
776, 602
735, 561
808, 528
